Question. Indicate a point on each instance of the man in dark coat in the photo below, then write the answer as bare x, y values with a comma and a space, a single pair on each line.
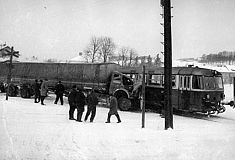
36, 88
80, 102
113, 109
92, 101
72, 102
59, 91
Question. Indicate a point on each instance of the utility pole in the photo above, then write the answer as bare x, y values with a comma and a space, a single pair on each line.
233, 91
143, 98
167, 64
7, 51
9, 73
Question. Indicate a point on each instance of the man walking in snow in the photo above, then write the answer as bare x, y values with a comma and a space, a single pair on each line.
59, 91
113, 109
92, 101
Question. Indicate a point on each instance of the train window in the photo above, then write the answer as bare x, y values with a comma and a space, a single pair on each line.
161, 80
218, 82
155, 80
173, 81
197, 82
186, 82
209, 82
181, 82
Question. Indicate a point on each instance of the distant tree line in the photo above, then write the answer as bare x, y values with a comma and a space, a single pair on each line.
225, 57
103, 49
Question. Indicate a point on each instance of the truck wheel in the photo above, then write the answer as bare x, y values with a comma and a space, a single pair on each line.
25, 93
124, 104
12, 91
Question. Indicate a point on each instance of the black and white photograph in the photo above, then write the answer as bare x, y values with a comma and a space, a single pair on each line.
117, 79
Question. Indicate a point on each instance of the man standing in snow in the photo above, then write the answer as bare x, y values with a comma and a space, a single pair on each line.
113, 109
36, 88
72, 102
92, 101
43, 91
80, 102
59, 91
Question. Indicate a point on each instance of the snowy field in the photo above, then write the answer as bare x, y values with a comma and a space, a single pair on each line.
29, 131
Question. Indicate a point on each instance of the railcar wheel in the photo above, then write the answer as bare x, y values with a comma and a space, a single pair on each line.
124, 104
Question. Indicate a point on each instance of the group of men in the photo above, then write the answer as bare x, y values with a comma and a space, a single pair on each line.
77, 100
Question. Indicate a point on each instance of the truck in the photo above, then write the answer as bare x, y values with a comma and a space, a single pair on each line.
104, 78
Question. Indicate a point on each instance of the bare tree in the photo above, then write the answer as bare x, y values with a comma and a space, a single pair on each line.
123, 55
136, 61
143, 59
106, 49
149, 61
132, 55
92, 50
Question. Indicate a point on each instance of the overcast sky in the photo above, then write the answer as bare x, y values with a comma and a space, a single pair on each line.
62, 28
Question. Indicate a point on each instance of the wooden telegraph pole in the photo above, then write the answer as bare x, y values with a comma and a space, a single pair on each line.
143, 98
9, 73
233, 92
7, 51
167, 65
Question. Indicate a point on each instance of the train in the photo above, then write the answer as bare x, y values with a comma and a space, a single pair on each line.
194, 89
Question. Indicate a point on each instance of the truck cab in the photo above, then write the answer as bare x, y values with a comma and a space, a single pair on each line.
121, 87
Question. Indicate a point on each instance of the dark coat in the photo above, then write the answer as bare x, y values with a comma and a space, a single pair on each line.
36, 88
92, 100
59, 89
80, 99
72, 97
113, 106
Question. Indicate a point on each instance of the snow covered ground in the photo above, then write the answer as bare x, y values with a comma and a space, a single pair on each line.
228, 91
35, 132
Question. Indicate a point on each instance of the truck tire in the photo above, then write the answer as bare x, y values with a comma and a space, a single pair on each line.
124, 104
25, 93
13, 91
